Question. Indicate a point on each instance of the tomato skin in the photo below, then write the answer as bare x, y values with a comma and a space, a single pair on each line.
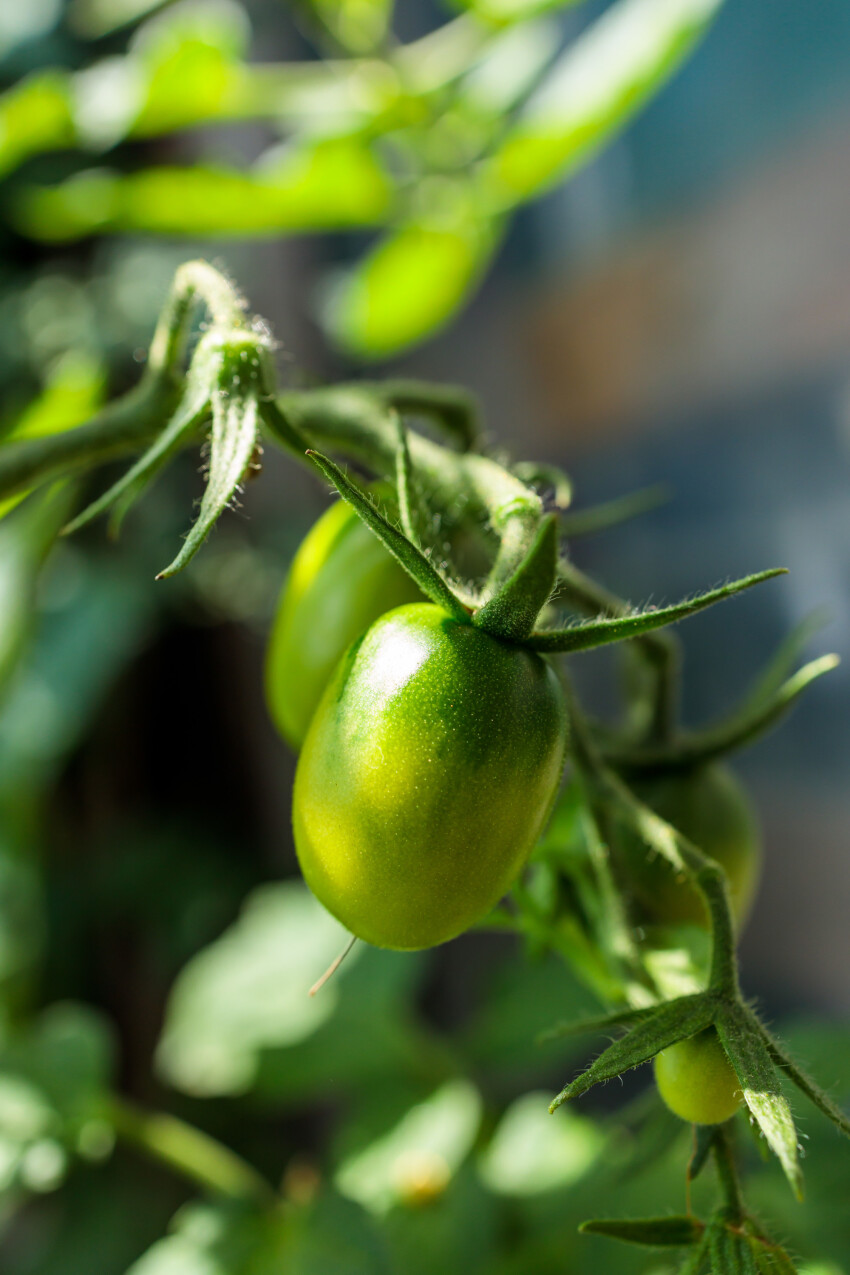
697, 1080
426, 777
341, 580
710, 807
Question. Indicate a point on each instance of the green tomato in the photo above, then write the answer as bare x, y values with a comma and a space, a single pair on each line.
426, 777
697, 1080
342, 578
709, 806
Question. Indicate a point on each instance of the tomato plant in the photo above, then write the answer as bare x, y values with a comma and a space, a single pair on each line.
341, 579
707, 805
426, 774
426, 777
696, 1080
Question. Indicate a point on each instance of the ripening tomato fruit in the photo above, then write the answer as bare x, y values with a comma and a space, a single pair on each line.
427, 774
710, 807
341, 580
697, 1080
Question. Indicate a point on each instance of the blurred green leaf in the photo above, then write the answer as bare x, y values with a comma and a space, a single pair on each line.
35, 116
417, 1159
507, 11
53, 1080
358, 25
249, 991
304, 187
594, 88
95, 18
652, 1232
532, 1151
328, 1236
410, 285
240, 1016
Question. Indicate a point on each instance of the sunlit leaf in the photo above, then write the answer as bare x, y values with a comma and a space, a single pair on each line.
597, 85
324, 185
53, 1078
249, 991
35, 116
532, 1151
359, 25
409, 286
419, 1156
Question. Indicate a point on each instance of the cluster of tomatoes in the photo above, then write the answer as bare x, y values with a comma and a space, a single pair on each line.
430, 757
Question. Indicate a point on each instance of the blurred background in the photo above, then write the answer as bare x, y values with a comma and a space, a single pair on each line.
665, 299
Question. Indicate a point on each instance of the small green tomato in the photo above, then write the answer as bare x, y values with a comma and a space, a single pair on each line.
697, 1081
341, 580
710, 807
426, 777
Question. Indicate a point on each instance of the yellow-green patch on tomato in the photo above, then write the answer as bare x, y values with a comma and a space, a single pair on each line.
697, 1080
341, 580
426, 777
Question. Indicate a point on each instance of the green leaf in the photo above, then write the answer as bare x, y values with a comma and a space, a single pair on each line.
704, 1135
412, 559
743, 1040
53, 1080
410, 285
240, 1017
593, 90
35, 115
650, 1232
248, 992
591, 633
307, 187
671, 1022
358, 25
452, 407
422, 1152
511, 614
530, 1153
805, 1083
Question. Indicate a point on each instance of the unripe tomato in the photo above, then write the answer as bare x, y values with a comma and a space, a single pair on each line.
710, 807
697, 1080
342, 578
426, 777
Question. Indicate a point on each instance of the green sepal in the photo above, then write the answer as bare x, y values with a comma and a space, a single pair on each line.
411, 504
511, 614
623, 1019
703, 1141
742, 1038
737, 732
233, 440
804, 1082
584, 522
671, 1022
412, 559
650, 1232
591, 633
194, 406
538, 474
